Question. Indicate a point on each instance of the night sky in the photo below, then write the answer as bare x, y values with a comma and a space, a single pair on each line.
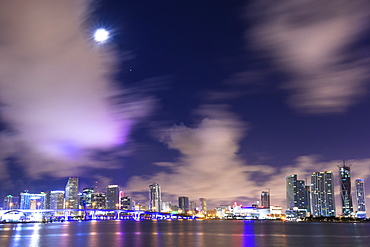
215, 99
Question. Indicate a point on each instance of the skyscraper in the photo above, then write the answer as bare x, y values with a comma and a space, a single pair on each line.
296, 193
155, 201
345, 189
56, 199
291, 191
85, 199
126, 203
32, 201
184, 203
98, 201
11, 202
360, 197
112, 197
203, 205
265, 199
71, 194
322, 193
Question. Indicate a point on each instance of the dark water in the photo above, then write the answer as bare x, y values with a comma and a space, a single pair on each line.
185, 233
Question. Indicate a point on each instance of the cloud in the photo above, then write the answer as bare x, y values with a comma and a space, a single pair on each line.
55, 89
314, 42
209, 164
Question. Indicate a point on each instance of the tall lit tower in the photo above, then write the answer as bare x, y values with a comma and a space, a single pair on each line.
345, 189
265, 199
184, 203
360, 196
71, 194
322, 193
203, 205
296, 193
112, 197
155, 200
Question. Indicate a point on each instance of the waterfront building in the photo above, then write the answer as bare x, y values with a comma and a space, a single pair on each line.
360, 198
184, 203
192, 206
322, 193
56, 199
296, 194
47, 199
203, 205
265, 199
98, 201
112, 197
345, 189
32, 201
11, 202
126, 203
308, 198
155, 201
166, 207
71, 194
85, 198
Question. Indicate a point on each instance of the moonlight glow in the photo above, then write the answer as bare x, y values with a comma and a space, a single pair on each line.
101, 35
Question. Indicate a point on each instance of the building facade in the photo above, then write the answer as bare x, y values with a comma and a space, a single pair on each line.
32, 201
56, 199
345, 189
203, 205
184, 203
322, 194
296, 195
11, 202
360, 198
126, 203
98, 201
112, 197
155, 200
71, 194
265, 199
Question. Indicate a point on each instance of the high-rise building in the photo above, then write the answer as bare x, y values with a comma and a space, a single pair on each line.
112, 197
85, 199
32, 201
56, 199
308, 198
192, 206
296, 193
98, 201
265, 199
47, 199
203, 205
360, 198
11, 202
345, 189
71, 194
126, 203
322, 193
291, 191
184, 203
155, 201
166, 207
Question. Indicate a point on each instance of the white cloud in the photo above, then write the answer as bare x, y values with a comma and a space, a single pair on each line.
310, 40
209, 165
55, 87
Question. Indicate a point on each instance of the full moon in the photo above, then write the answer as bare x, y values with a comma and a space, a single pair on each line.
101, 35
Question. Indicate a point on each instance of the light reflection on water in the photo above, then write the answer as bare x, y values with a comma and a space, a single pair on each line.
184, 233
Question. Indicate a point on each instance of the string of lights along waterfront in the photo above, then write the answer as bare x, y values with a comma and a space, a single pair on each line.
304, 202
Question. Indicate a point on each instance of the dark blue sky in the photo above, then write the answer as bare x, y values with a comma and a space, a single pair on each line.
292, 78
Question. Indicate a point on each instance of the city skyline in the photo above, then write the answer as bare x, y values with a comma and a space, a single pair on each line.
219, 100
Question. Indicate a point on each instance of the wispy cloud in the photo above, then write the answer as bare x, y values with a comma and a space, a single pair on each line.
314, 42
209, 164
55, 89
